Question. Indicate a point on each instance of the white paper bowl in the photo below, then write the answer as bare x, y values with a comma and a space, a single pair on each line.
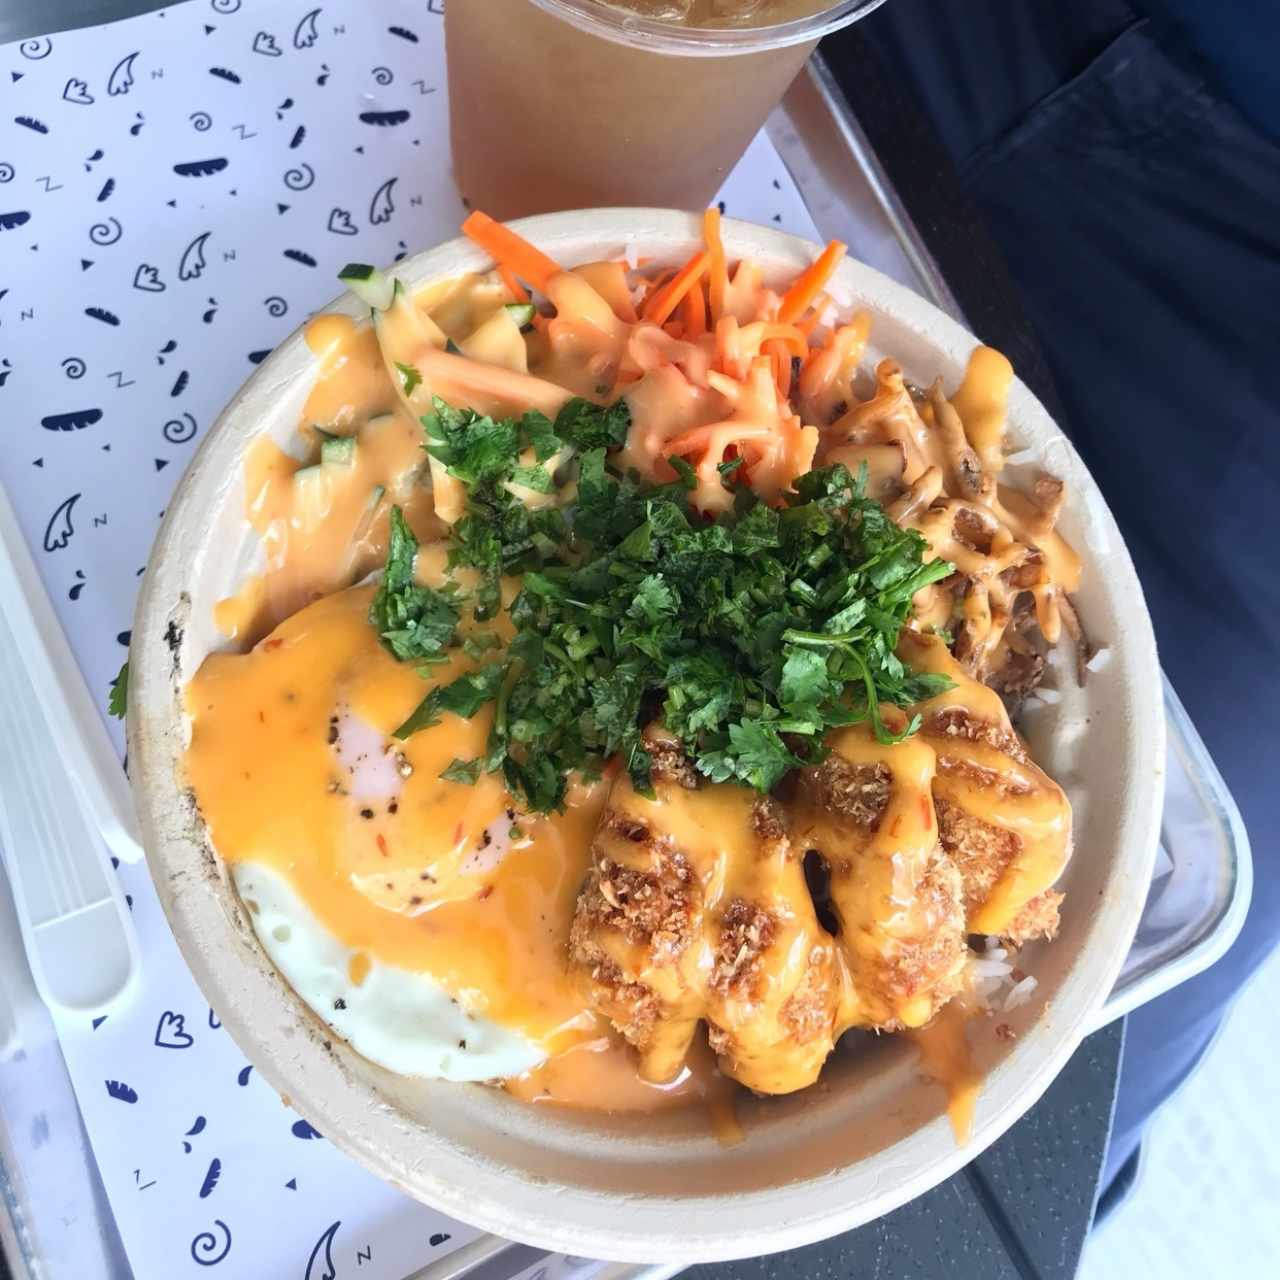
872, 1134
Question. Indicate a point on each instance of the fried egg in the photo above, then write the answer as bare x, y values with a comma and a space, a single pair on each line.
402, 1020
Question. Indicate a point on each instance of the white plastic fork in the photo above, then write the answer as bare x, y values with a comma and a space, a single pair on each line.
75, 924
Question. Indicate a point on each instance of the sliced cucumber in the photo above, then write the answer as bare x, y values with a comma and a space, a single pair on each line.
338, 451
368, 284
363, 525
312, 496
520, 312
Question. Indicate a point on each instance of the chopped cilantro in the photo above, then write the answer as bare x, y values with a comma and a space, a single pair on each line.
410, 378
591, 426
416, 623
463, 696
119, 695
749, 637
467, 771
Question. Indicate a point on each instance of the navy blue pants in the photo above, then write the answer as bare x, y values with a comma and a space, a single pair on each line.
1130, 175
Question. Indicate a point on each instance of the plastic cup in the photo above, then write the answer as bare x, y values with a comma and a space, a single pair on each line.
574, 104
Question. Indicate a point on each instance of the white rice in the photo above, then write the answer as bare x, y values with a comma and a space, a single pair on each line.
992, 982
989, 974
1020, 994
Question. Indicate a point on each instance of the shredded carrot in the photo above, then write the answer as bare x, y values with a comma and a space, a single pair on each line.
674, 329
514, 287
659, 308
807, 324
693, 311
654, 287
718, 269
781, 358
488, 387
789, 337
809, 283
511, 250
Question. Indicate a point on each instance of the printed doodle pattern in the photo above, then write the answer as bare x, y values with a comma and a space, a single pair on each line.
177, 193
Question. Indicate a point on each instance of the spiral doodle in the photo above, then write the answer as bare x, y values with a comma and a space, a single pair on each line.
6, 171
275, 305
34, 50
224, 6
207, 1249
301, 178
180, 430
74, 367
383, 75
200, 120
108, 232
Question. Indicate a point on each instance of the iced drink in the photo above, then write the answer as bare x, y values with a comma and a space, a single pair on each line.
562, 104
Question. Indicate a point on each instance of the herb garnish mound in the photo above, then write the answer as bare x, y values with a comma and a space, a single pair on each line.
748, 637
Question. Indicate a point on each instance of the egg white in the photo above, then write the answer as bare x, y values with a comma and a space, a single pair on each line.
402, 1020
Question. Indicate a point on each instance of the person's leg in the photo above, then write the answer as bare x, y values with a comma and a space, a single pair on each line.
1138, 214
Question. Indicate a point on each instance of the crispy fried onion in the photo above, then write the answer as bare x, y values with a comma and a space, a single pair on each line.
1013, 568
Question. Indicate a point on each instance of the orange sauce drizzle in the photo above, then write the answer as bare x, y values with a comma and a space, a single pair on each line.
946, 1059
312, 554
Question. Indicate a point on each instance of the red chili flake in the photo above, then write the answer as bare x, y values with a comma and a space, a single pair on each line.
896, 825
262, 717
457, 833
382, 845
272, 644
485, 892
926, 811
